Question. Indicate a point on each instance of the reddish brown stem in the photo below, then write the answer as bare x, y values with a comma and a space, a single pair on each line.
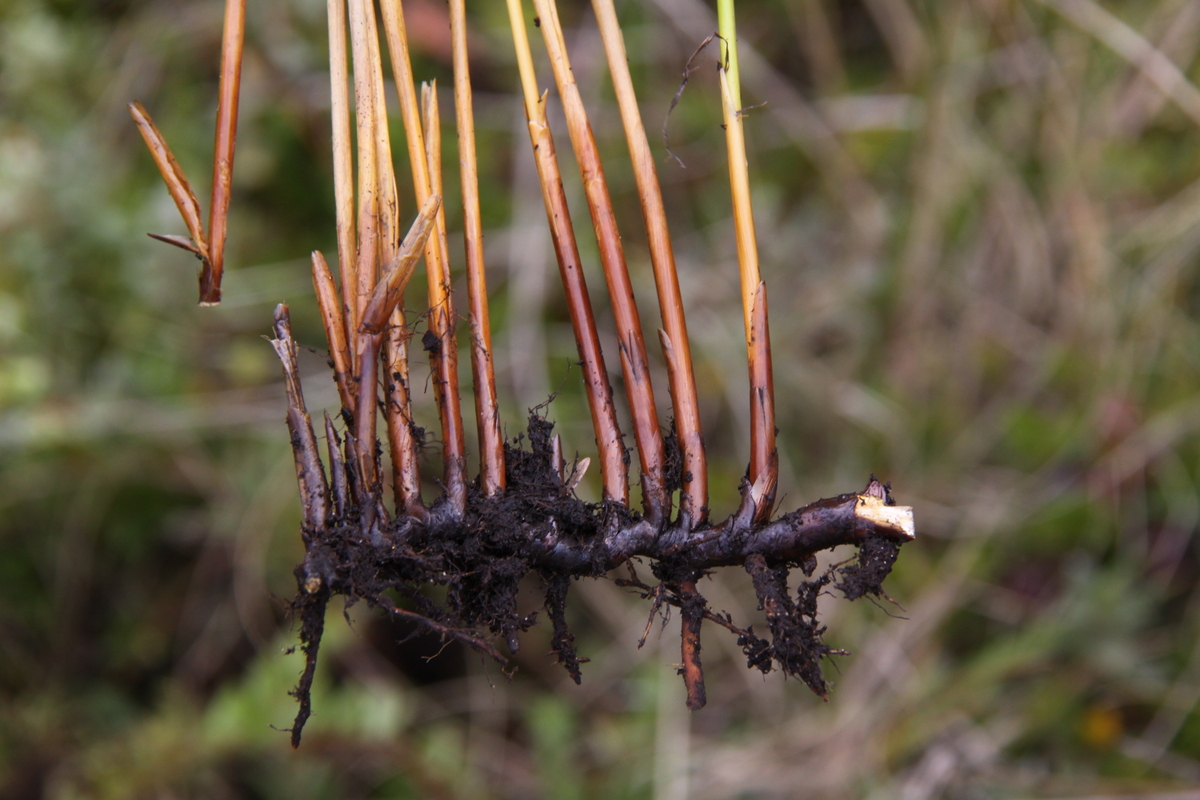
764, 460
632, 347
613, 469
487, 410
232, 40
681, 377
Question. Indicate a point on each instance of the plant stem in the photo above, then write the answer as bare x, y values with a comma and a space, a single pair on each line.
763, 472
631, 344
343, 171
368, 172
487, 411
444, 356
335, 328
232, 40
694, 498
613, 470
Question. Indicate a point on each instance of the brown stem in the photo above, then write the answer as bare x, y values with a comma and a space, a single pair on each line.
692, 613
310, 475
389, 203
232, 39
177, 184
361, 12
444, 354
613, 469
632, 346
337, 470
343, 172
441, 317
693, 504
383, 302
335, 328
402, 441
364, 417
487, 410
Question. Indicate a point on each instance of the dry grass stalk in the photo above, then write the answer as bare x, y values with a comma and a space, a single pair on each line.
693, 503
487, 411
763, 471
631, 343
613, 470
343, 169
362, 27
444, 351
389, 201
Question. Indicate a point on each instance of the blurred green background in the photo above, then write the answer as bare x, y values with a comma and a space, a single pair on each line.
980, 224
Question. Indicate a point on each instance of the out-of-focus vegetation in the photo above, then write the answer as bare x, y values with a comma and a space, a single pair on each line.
981, 229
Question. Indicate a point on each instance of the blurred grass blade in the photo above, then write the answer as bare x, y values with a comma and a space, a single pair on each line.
1134, 48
